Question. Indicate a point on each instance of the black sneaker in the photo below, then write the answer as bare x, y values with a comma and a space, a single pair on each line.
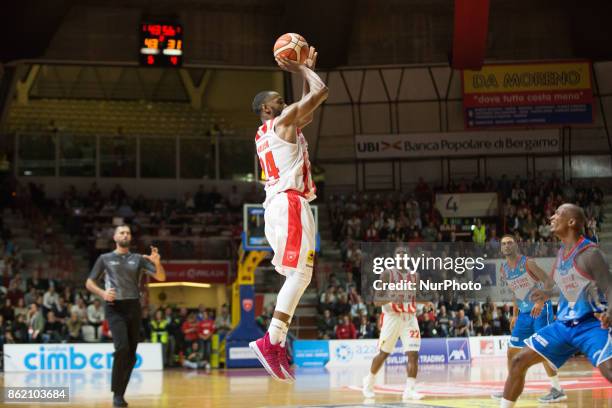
554, 395
118, 401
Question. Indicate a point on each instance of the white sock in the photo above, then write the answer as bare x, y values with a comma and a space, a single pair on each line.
410, 383
283, 340
507, 404
371, 379
276, 330
554, 381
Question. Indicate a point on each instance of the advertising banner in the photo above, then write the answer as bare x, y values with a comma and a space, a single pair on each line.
458, 350
311, 353
451, 144
541, 94
195, 271
489, 346
467, 205
346, 353
75, 357
435, 351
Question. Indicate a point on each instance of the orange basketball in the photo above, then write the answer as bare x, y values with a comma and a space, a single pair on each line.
291, 46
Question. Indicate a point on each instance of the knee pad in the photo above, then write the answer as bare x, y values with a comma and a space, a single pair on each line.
301, 277
295, 284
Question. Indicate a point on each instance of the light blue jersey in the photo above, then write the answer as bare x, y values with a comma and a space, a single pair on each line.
522, 282
580, 296
576, 328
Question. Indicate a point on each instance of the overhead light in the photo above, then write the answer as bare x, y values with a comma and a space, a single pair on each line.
170, 284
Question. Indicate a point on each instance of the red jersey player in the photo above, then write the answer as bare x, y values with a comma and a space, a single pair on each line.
289, 223
398, 320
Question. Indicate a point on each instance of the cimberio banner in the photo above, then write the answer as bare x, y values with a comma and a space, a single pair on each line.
544, 94
449, 144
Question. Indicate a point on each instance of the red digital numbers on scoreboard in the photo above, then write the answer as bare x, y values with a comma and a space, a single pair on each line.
154, 29
170, 31
161, 44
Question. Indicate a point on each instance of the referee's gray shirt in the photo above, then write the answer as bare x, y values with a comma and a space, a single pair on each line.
122, 272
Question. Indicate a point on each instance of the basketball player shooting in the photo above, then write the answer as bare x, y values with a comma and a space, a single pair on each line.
583, 276
289, 223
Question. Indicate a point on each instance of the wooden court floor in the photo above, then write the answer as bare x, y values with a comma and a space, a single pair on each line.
459, 385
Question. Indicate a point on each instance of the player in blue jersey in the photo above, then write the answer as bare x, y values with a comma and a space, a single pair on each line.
523, 276
584, 321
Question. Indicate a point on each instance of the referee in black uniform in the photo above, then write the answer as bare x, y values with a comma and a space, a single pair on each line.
122, 272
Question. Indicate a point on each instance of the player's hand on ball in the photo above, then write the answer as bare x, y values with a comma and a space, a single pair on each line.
289, 65
109, 295
154, 257
311, 61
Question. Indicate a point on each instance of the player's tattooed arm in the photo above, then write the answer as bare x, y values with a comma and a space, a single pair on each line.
594, 263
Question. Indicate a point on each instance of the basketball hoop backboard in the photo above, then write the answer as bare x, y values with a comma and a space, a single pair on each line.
253, 234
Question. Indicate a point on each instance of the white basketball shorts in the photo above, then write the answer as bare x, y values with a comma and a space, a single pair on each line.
399, 325
290, 230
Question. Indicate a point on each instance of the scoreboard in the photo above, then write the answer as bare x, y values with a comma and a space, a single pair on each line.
161, 44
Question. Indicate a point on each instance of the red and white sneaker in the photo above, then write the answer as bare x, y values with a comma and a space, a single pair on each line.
284, 364
268, 355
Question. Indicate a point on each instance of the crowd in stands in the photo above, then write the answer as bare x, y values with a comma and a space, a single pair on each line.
38, 310
413, 217
204, 224
343, 314
204, 213
524, 212
49, 309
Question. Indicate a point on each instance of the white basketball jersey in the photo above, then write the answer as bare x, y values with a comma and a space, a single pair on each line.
286, 165
409, 303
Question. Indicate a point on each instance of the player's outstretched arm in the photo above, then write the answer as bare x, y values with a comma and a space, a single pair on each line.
299, 113
594, 262
310, 62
